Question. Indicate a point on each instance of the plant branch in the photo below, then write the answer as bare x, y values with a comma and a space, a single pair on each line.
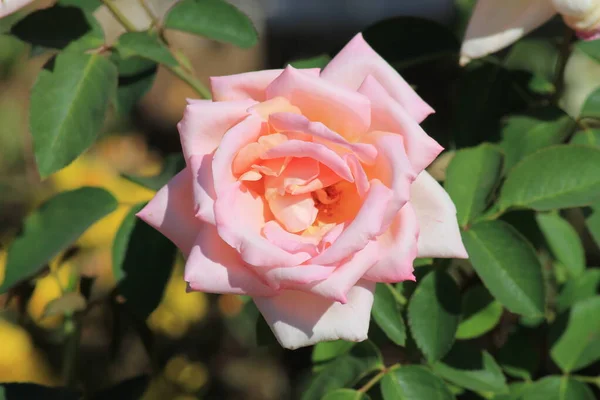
373, 381
119, 16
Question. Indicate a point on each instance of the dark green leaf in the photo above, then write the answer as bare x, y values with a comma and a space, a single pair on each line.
519, 356
387, 313
327, 351
172, 165
313, 62
525, 134
480, 313
591, 48
558, 388
345, 371
508, 266
470, 178
590, 137
68, 106
564, 242
539, 57
585, 286
413, 382
136, 76
345, 394
264, 335
141, 254
555, 177
20, 391
591, 107
145, 45
215, 19
592, 222
53, 227
434, 313
579, 345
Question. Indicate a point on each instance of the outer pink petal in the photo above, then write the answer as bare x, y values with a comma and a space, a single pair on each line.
439, 233
249, 85
497, 24
398, 249
301, 319
171, 212
366, 226
291, 122
340, 109
358, 60
295, 212
205, 122
203, 187
10, 6
282, 277
360, 177
388, 115
289, 242
214, 267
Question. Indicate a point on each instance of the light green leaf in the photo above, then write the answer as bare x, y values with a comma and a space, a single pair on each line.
387, 313
555, 177
538, 57
136, 76
215, 19
413, 382
173, 164
470, 179
558, 388
590, 137
508, 266
434, 313
591, 107
579, 345
345, 394
145, 45
590, 47
480, 313
68, 105
313, 62
592, 222
563, 241
583, 287
52, 228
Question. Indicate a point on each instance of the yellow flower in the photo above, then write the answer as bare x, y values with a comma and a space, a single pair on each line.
189, 376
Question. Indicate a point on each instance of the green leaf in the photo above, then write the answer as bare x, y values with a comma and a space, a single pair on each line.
590, 137
539, 57
53, 227
558, 388
18, 391
583, 287
145, 45
524, 134
433, 314
555, 177
85, 5
591, 107
413, 382
563, 241
68, 303
312, 62
136, 76
345, 371
590, 47
579, 345
327, 351
141, 254
519, 356
508, 266
264, 334
173, 164
345, 394
467, 367
481, 313
56, 27
68, 105
387, 313
592, 222
215, 19
470, 178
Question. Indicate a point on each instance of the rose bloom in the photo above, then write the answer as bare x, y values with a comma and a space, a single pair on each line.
303, 188
496, 24
10, 6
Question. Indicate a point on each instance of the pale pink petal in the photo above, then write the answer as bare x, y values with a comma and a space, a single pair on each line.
360, 177
214, 267
298, 172
398, 249
301, 319
171, 212
290, 242
205, 122
387, 115
340, 109
252, 176
10, 6
439, 234
203, 187
273, 167
248, 85
316, 151
274, 105
294, 212
497, 24
367, 225
240, 217
299, 123
357, 60
284, 277
326, 178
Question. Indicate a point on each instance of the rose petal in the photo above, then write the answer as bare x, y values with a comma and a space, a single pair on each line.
290, 242
284, 277
10, 6
298, 172
357, 60
389, 116
439, 233
340, 109
295, 213
171, 212
301, 319
360, 177
203, 187
249, 85
214, 267
398, 249
495, 25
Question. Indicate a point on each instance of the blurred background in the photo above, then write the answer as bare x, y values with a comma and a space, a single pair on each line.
193, 345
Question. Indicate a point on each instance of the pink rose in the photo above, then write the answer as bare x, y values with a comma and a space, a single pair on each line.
10, 6
303, 188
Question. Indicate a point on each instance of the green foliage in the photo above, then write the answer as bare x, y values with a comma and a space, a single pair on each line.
387, 313
538, 57
345, 394
480, 313
215, 19
413, 382
583, 287
45, 233
172, 165
590, 137
564, 242
142, 44
591, 107
313, 62
558, 388
136, 76
591, 48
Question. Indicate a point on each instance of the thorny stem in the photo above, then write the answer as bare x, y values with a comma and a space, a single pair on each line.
373, 381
